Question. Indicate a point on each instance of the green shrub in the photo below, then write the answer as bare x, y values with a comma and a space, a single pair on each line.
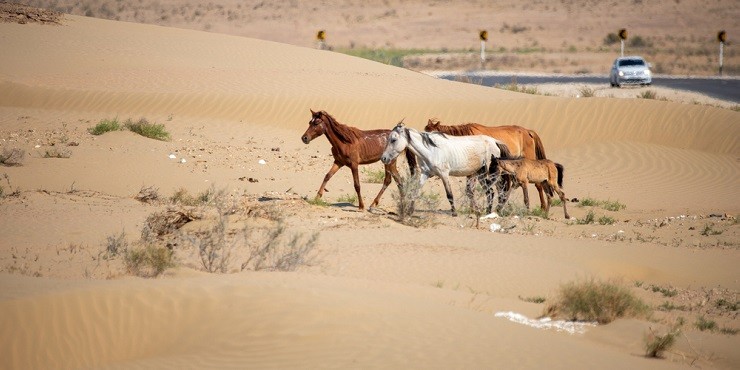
105, 125
592, 300
656, 344
648, 94
374, 176
703, 324
146, 129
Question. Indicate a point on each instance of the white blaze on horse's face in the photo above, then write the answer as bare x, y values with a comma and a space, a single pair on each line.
396, 144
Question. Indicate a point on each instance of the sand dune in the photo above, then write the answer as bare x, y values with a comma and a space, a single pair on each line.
386, 295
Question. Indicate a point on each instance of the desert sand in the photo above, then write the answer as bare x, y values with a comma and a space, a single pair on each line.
379, 294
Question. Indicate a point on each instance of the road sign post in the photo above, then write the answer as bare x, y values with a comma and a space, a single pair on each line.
320, 38
622, 37
483, 35
721, 37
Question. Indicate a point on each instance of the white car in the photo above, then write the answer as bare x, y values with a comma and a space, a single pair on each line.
630, 70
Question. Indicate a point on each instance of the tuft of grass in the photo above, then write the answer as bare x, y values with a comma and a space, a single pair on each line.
656, 344
347, 198
151, 130
317, 202
518, 88
148, 194
588, 202
587, 92
535, 299
374, 176
648, 94
609, 205
606, 220
669, 306
592, 300
667, 292
105, 125
148, 261
726, 305
589, 219
703, 324
729, 331
116, 244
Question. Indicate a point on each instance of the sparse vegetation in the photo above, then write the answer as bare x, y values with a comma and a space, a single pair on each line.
648, 94
148, 261
347, 198
725, 304
703, 324
316, 201
151, 130
148, 194
709, 230
393, 57
667, 292
609, 205
105, 125
588, 219
587, 92
592, 300
142, 127
535, 299
116, 244
407, 200
606, 220
212, 246
374, 176
275, 253
518, 88
656, 344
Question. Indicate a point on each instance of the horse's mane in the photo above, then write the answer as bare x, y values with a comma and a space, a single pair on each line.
346, 134
459, 130
426, 137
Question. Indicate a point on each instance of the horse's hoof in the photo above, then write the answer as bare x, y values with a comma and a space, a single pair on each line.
454, 214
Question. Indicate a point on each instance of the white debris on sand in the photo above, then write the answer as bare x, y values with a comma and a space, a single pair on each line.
572, 327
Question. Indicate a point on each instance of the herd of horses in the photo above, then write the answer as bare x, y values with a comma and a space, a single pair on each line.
501, 157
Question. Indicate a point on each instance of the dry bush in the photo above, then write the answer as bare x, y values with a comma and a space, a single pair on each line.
278, 252
599, 301
55, 152
12, 156
214, 250
656, 344
116, 244
160, 224
148, 261
148, 194
407, 199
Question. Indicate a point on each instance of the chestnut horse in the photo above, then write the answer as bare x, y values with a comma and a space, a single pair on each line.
540, 171
520, 141
352, 147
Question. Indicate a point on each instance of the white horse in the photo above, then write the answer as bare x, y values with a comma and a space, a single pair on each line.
440, 155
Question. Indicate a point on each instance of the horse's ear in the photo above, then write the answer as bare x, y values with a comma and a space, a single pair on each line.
400, 123
312, 112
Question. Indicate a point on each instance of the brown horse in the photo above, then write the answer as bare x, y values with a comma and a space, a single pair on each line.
520, 141
352, 147
542, 171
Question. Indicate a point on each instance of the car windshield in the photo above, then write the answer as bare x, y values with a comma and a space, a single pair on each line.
631, 62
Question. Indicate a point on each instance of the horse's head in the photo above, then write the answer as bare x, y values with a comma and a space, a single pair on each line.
432, 125
397, 142
315, 127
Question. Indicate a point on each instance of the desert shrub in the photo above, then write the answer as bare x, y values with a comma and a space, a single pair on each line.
105, 125
148, 194
638, 42
12, 156
612, 205
213, 248
599, 301
148, 261
588, 219
151, 130
159, 224
656, 344
611, 38
587, 202
278, 252
408, 198
709, 230
703, 324
536, 299
648, 94
116, 244
725, 304
606, 220
587, 92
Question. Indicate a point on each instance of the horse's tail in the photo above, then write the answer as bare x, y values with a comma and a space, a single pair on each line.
561, 169
539, 148
411, 160
505, 153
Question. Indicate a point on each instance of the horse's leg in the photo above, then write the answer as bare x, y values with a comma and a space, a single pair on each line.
356, 177
542, 198
469, 184
488, 183
389, 170
526, 194
504, 186
334, 168
546, 207
448, 190
561, 194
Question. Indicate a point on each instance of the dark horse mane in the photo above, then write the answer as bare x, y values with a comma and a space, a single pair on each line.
346, 134
459, 130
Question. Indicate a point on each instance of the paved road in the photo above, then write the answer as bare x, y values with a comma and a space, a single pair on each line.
724, 89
